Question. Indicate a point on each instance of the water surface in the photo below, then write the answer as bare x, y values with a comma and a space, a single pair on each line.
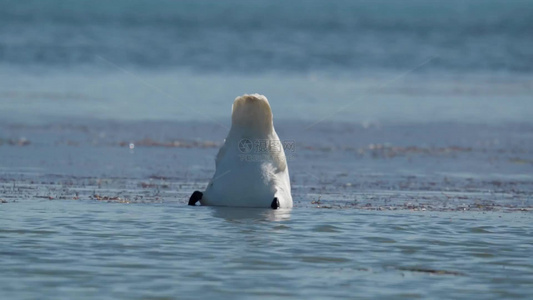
87, 249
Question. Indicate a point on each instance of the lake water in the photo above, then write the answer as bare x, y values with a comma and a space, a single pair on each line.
411, 165
85, 216
87, 249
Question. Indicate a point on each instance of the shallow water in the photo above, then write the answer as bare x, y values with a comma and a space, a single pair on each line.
396, 211
411, 169
85, 249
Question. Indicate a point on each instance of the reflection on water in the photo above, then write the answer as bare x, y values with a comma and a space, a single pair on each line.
236, 214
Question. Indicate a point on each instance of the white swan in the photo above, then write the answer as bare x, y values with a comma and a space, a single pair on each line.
251, 167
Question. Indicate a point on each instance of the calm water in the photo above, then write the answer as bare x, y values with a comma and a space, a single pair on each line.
85, 249
356, 61
412, 171
259, 36
85, 216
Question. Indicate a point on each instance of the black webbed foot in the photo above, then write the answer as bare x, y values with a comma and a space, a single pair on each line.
195, 197
275, 203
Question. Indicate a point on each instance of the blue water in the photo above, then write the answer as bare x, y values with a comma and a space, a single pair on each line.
87, 250
411, 172
431, 211
357, 61
261, 36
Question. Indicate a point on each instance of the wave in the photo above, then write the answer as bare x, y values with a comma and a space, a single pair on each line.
262, 36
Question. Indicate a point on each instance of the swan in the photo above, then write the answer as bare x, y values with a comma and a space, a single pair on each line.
251, 167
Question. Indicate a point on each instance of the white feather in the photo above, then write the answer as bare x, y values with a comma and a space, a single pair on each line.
250, 179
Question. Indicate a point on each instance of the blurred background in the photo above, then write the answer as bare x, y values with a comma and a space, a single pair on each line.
394, 88
316, 60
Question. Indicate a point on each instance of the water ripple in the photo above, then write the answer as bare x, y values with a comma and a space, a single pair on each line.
160, 251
